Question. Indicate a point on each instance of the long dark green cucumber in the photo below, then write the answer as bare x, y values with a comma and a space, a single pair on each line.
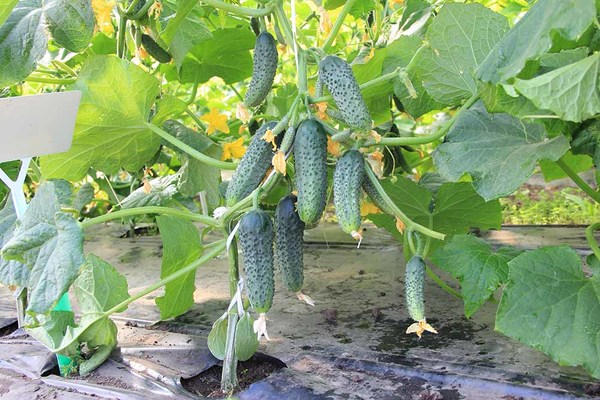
263, 70
415, 279
252, 167
369, 188
310, 160
337, 76
347, 179
289, 248
256, 242
154, 49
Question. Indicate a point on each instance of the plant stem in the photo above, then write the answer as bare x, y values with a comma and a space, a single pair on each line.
140, 14
366, 85
207, 256
239, 96
197, 120
190, 150
589, 234
441, 132
338, 24
208, 221
229, 373
441, 283
244, 11
578, 181
410, 224
121, 35
52, 81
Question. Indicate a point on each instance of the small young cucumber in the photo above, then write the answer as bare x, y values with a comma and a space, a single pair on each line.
370, 190
252, 167
347, 179
337, 76
154, 49
263, 70
310, 160
414, 283
256, 242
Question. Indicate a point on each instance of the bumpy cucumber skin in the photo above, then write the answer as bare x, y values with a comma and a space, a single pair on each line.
370, 190
289, 249
263, 70
337, 76
252, 167
415, 280
347, 179
154, 49
310, 160
256, 242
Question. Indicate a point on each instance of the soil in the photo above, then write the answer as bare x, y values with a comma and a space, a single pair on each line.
208, 383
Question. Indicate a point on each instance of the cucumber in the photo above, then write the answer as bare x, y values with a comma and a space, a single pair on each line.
256, 242
154, 49
370, 190
252, 167
263, 70
415, 279
347, 179
310, 160
289, 248
337, 76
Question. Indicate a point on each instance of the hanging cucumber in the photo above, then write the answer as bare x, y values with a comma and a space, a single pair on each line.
252, 167
337, 76
256, 242
310, 160
347, 179
415, 280
154, 49
289, 246
263, 70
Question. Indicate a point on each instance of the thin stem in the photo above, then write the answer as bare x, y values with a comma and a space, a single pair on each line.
229, 373
441, 283
284, 23
207, 256
338, 24
121, 35
244, 11
151, 210
578, 181
131, 6
410, 224
190, 150
403, 141
239, 96
64, 67
140, 14
197, 120
52, 81
589, 234
383, 78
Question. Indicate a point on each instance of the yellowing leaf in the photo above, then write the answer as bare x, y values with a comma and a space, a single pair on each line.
216, 122
103, 10
233, 150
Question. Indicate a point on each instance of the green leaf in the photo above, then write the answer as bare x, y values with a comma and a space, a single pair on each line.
587, 140
208, 59
71, 23
110, 132
196, 176
162, 190
217, 338
84, 195
549, 304
533, 34
552, 171
460, 38
551, 61
246, 341
358, 9
181, 246
99, 286
479, 270
23, 41
414, 15
571, 92
50, 242
497, 150
6, 8
452, 210
12, 272
168, 107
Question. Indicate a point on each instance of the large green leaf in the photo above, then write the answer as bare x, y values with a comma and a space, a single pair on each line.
50, 242
162, 190
22, 41
452, 210
497, 150
226, 55
181, 246
12, 272
71, 23
571, 92
532, 36
549, 304
552, 61
5, 9
110, 132
479, 270
460, 38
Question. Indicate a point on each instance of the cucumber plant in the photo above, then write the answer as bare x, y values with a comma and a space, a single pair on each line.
433, 118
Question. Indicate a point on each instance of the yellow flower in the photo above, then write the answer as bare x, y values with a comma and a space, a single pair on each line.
367, 208
333, 147
156, 9
321, 110
376, 155
216, 122
279, 162
242, 113
420, 327
233, 150
270, 138
324, 22
103, 10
